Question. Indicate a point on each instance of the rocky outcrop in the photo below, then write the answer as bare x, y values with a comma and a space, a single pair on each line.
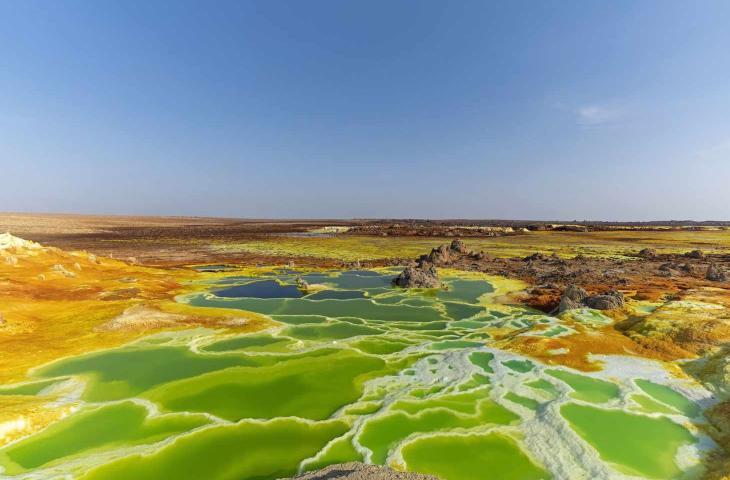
444, 254
715, 274
688, 269
302, 284
695, 254
650, 274
576, 297
423, 275
605, 301
572, 298
361, 471
439, 255
673, 269
458, 246
480, 255
535, 257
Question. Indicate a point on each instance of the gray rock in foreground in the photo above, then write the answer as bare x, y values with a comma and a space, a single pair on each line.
361, 471
715, 274
576, 297
606, 301
572, 298
423, 275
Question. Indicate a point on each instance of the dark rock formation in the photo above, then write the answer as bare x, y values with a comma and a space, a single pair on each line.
480, 255
444, 254
669, 269
423, 275
572, 298
457, 245
606, 301
576, 297
715, 274
536, 257
673, 269
439, 255
688, 268
648, 253
695, 254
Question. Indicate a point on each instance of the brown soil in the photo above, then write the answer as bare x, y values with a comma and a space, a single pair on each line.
159, 241
430, 229
176, 241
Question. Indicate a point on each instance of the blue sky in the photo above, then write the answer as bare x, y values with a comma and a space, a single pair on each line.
615, 110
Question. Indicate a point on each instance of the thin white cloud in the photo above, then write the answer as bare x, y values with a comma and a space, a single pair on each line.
595, 115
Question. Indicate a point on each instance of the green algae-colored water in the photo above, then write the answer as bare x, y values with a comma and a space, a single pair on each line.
472, 456
639, 445
95, 428
586, 388
358, 371
669, 397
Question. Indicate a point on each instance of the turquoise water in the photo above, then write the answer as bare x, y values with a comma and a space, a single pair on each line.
261, 289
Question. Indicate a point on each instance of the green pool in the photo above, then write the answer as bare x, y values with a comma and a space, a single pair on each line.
358, 371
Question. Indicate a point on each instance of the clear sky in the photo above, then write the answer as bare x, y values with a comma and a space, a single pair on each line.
615, 110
